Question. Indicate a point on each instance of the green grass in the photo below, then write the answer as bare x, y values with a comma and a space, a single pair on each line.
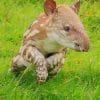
79, 78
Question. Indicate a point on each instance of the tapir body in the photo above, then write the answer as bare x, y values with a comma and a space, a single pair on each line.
47, 39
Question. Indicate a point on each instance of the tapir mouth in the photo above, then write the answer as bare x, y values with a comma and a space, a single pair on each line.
82, 49
83, 46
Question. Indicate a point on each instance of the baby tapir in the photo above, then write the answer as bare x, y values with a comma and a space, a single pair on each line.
45, 41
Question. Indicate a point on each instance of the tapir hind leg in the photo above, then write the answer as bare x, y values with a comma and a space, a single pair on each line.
19, 64
34, 56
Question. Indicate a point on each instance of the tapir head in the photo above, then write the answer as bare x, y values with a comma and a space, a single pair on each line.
66, 25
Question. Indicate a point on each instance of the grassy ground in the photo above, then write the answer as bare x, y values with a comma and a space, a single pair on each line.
79, 78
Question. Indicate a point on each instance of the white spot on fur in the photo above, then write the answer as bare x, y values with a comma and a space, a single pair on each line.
41, 25
33, 32
44, 17
27, 32
35, 22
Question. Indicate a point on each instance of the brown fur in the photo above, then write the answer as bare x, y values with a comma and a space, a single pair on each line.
47, 39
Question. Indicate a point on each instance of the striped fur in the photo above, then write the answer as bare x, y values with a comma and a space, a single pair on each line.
44, 43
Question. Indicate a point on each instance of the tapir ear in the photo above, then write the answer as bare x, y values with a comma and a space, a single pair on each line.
76, 6
49, 7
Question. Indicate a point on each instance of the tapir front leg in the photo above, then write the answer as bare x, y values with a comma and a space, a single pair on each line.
32, 55
55, 62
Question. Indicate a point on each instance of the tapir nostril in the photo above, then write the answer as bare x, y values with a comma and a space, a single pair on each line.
85, 50
77, 45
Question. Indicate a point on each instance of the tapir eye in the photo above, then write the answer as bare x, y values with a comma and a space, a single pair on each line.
67, 28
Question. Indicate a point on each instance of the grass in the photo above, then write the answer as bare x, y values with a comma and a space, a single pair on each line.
79, 78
